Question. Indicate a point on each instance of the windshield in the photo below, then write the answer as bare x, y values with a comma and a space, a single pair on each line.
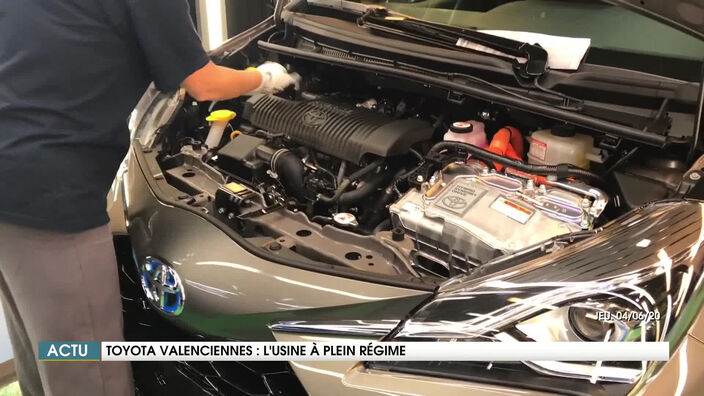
609, 27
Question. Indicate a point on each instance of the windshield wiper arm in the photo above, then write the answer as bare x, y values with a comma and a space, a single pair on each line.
447, 36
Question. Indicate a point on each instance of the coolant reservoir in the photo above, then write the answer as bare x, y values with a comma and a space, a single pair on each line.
470, 132
561, 145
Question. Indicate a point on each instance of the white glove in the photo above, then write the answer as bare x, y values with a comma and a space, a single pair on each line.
275, 78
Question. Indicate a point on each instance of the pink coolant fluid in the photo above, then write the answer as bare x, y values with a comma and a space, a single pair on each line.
470, 132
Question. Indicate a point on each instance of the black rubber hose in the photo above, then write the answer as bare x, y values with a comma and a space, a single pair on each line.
378, 210
364, 189
369, 168
562, 170
348, 180
291, 172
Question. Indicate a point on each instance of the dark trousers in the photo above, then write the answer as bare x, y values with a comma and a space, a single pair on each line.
62, 287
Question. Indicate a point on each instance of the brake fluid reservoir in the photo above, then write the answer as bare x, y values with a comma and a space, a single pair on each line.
561, 145
470, 132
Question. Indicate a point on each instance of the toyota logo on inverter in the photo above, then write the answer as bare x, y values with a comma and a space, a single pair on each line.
454, 202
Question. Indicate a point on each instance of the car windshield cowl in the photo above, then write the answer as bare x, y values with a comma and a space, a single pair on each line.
529, 60
619, 37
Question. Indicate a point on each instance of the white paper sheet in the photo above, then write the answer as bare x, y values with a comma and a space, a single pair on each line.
564, 53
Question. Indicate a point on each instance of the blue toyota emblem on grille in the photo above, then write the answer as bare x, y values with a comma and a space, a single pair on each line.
162, 286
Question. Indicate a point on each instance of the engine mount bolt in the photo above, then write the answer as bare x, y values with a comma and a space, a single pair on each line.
695, 176
398, 234
275, 246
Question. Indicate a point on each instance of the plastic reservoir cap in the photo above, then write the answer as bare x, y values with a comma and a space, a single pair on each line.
563, 130
462, 127
221, 115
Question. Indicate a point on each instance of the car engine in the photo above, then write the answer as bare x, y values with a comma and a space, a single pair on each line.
375, 179
345, 132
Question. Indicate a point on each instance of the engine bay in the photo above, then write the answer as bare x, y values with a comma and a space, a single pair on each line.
398, 178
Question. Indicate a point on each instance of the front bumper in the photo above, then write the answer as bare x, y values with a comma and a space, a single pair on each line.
230, 292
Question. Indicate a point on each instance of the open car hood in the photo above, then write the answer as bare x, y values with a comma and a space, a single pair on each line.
686, 15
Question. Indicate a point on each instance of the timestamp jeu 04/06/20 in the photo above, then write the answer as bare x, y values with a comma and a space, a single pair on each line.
628, 316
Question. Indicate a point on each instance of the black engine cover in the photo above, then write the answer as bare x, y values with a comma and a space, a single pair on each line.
342, 131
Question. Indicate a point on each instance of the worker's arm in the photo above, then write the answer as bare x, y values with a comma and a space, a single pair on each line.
175, 57
213, 82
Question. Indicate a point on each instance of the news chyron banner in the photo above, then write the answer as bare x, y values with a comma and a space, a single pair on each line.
354, 351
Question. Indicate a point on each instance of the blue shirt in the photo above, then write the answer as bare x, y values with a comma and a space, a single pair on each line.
71, 72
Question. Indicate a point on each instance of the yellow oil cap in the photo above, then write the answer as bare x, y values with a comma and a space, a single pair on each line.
221, 115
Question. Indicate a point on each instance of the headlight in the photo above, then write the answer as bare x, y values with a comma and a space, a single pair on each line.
154, 110
596, 324
628, 283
